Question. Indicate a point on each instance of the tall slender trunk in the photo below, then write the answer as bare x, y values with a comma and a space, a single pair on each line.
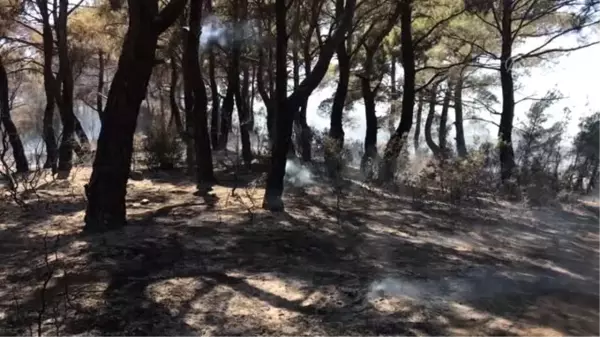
214, 94
435, 148
284, 120
107, 187
100, 87
49, 134
371, 118
241, 90
593, 176
398, 139
227, 108
461, 146
417, 135
393, 96
507, 156
173, 98
305, 131
65, 77
336, 129
443, 130
188, 100
265, 95
9, 127
192, 79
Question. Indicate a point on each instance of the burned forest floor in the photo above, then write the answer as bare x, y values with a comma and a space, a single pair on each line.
359, 261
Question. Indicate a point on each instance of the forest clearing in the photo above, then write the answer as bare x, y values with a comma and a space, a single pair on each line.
373, 266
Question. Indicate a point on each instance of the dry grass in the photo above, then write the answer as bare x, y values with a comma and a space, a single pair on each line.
372, 266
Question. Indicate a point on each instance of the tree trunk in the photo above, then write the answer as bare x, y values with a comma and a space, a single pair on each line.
214, 94
507, 156
265, 95
285, 119
305, 140
107, 187
49, 134
371, 120
241, 90
393, 96
435, 149
65, 77
100, 88
173, 98
9, 127
461, 146
593, 176
192, 79
417, 135
336, 129
398, 139
443, 130
227, 108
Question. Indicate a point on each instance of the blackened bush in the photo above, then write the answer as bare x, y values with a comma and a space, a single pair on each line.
162, 147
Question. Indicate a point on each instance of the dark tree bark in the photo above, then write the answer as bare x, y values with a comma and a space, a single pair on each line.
241, 91
214, 94
461, 146
227, 108
305, 137
507, 156
398, 139
393, 95
188, 100
371, 119
417, 135
214, 91
429, 123
65, 102
192, 79
443, 130
173, 97
285, 118
372, 46
265, 95
9, 126
336, 129
49, 89
107, 187
593, 176
100, 88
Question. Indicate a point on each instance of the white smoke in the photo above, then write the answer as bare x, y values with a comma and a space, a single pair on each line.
214, 30
297, 174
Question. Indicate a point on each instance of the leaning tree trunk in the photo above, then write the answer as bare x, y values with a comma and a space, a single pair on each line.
192, 78
7, 122
461, 146
507, 156
398, 139
284, 120
107, 187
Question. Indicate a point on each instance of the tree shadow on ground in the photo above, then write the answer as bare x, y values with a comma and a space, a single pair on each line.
316, 269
